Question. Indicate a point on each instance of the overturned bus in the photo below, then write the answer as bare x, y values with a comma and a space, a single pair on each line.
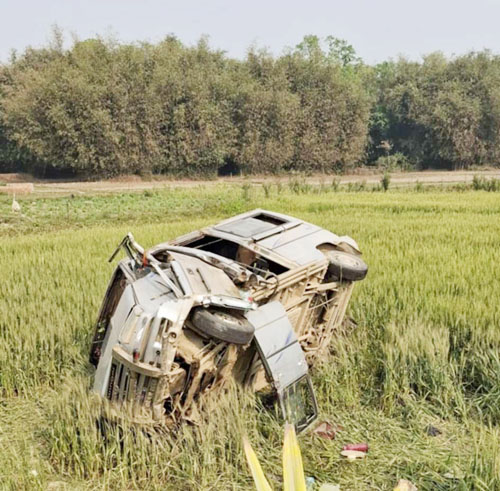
255, 298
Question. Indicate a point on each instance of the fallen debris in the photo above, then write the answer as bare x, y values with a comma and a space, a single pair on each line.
405, 485
353, 454
310, 483
359, 447
327, 430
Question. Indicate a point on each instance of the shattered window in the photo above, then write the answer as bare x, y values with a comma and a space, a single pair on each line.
299, 403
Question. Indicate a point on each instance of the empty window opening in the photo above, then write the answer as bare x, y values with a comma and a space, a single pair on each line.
236, 252
269, 219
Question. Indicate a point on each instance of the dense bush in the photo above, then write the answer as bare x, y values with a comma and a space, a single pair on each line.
333, 121
265, 113
440, 113
104, 108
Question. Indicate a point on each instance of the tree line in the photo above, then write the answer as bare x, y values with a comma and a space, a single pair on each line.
104, 108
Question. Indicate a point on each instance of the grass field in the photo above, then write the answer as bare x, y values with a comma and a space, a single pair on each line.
426, 349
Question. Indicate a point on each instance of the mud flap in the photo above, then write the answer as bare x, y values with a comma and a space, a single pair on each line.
284, 363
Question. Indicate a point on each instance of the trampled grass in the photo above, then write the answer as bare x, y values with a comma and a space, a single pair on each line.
426, 349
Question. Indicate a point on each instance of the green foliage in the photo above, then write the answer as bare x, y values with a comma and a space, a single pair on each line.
333, 121
480, 183
394, 162
103, 108
265, 115
299, 185
356, 187
246, 189
267, 188
385, 182
441, 112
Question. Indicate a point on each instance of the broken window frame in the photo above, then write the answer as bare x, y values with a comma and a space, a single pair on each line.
284, 397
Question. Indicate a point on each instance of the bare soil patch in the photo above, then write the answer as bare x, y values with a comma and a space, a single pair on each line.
135, 183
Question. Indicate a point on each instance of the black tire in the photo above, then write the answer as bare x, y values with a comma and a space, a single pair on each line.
220, 324
345, 266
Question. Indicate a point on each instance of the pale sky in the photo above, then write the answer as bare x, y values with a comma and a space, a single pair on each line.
378, 29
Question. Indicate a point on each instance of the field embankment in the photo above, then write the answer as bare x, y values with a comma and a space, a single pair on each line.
135, 183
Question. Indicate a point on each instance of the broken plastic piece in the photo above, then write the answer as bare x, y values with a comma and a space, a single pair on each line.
360, 447
353, 454
310, 481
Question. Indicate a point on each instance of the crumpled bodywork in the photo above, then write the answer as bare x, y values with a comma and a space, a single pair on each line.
261, 271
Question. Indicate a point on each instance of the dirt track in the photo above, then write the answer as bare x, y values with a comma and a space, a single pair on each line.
136, 184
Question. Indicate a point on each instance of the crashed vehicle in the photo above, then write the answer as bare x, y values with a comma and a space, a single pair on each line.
255, 298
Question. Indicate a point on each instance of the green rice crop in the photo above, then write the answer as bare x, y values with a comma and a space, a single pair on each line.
425, 348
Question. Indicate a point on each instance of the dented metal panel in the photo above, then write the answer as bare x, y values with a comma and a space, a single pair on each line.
204, 278
287, 366
273, 330
277, 344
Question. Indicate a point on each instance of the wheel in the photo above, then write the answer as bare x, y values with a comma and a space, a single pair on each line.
345, 266
223, 325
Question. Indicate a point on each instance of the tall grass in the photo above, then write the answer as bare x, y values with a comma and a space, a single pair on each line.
426, 349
